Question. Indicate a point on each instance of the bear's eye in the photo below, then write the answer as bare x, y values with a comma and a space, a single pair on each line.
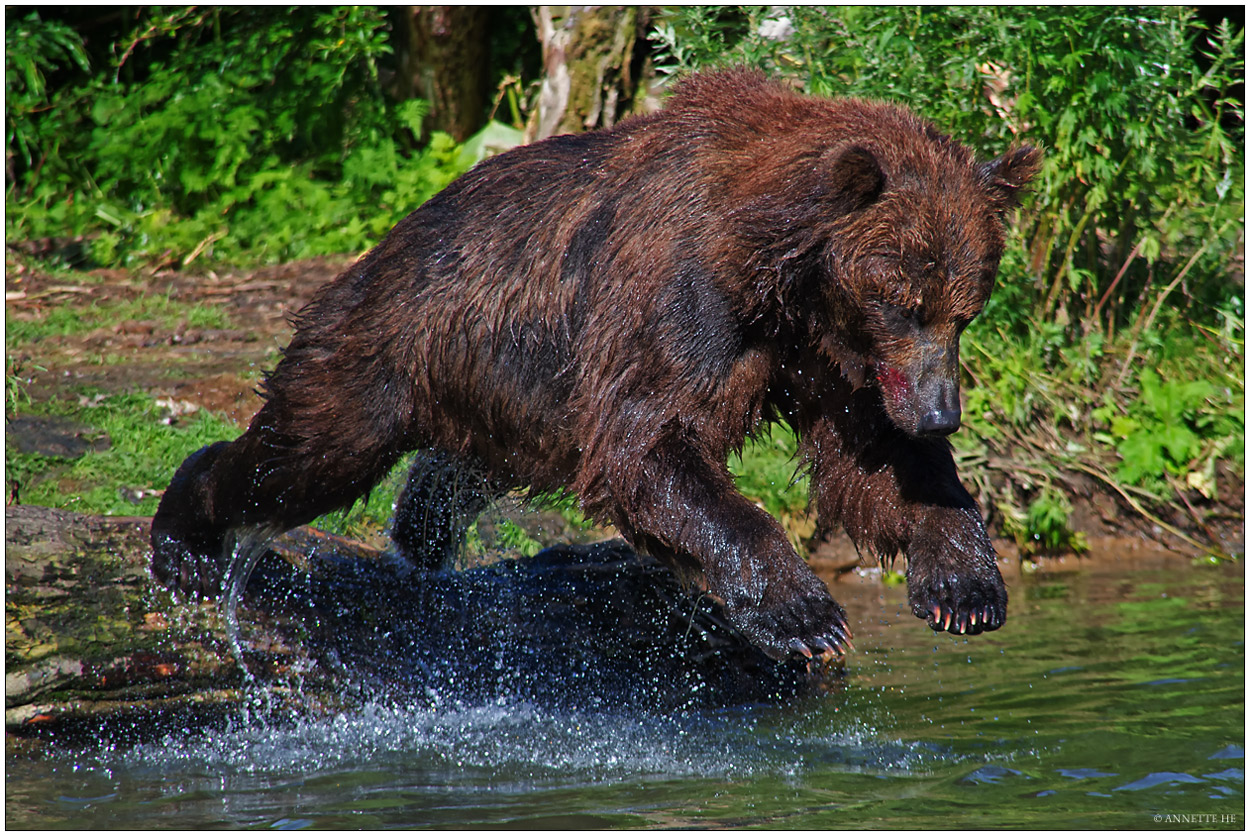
901, 316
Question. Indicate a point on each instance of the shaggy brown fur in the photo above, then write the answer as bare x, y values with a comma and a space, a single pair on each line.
616, 312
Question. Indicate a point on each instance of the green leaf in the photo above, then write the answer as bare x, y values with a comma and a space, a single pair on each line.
1179, 442
1142, 456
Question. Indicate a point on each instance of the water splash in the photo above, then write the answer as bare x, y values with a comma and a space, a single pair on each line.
523, 743
250, 546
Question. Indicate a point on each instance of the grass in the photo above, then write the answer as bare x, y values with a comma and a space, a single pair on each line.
144, 449
769, 473
368, 517
76, 321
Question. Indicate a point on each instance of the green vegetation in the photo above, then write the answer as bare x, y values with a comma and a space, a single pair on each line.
145, 447
65, 322
1112, 352
769, 472
237, 134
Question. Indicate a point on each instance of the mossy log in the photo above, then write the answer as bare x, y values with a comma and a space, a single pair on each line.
93, 644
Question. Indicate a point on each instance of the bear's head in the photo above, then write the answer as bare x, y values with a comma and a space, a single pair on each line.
911, 262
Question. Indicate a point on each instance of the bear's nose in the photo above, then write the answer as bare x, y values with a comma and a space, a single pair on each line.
939, 422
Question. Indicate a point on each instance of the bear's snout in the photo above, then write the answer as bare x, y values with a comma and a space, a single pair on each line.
939, 422
938, 395
921, 394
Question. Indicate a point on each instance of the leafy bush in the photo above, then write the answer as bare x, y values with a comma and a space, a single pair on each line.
32, 49
247, 131
1162, 436
1044, 527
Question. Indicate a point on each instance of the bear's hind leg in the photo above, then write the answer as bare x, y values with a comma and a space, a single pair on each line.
237, 494
442, 498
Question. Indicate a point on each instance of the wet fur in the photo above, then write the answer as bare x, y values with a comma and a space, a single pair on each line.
615, 312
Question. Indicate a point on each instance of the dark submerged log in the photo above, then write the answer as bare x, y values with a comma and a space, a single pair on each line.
94, 647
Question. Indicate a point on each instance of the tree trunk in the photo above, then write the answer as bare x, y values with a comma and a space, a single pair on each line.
595, 69
443, 60
92, 646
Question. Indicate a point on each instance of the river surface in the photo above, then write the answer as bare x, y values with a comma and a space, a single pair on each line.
1114, 697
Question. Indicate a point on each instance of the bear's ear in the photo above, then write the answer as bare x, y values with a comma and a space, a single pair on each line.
856, 177
1007, 175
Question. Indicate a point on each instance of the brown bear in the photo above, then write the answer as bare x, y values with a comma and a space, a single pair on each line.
615, 312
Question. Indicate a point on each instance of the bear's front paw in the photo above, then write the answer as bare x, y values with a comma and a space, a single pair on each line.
966, 603
191, 570
953, 580
808, 624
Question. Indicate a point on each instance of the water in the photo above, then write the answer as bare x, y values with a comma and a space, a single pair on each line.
1114, 698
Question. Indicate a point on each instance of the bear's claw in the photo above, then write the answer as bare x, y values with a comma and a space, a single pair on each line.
820, 647
798, 647
815, 627
962, 621
962, 594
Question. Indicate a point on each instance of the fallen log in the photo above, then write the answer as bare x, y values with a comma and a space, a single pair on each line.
93, 646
